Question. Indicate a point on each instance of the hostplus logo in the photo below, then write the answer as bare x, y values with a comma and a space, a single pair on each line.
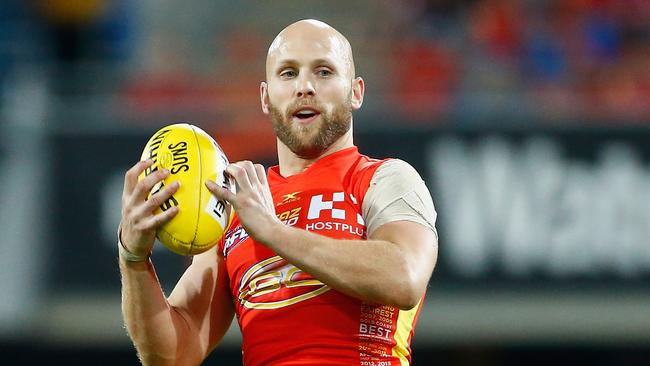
333, 214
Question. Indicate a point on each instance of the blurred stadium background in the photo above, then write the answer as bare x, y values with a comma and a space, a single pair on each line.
529, 120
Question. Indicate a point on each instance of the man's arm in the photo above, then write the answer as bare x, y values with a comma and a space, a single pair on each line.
392, 267
183, 329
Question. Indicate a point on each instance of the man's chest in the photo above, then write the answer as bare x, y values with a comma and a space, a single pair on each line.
260, 279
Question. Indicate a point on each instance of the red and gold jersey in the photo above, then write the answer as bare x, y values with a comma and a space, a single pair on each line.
287, 317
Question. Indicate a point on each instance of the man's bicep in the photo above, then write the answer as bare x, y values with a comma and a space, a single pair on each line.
417, 243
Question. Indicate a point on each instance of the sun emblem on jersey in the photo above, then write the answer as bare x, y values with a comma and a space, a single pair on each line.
289, 197
275, 283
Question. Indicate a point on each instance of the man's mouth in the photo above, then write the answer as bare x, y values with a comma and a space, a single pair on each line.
306, 114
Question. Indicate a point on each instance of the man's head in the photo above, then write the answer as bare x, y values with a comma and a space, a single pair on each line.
310, 89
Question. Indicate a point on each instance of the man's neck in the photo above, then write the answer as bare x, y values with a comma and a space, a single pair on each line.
292, 164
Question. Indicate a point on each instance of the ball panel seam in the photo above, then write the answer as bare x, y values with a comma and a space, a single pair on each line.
200, 198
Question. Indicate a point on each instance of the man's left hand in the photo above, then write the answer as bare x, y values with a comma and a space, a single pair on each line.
253, 201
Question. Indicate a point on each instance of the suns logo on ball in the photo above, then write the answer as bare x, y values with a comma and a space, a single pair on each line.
275, 283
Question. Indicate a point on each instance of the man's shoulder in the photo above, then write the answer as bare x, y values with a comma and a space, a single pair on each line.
395, 172
364, 162
396, 166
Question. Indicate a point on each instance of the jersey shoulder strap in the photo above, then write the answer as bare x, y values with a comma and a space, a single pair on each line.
361, 175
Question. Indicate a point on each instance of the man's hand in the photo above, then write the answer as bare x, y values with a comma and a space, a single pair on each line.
252, 202
139, 224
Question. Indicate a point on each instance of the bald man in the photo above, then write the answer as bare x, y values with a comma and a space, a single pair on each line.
329, 254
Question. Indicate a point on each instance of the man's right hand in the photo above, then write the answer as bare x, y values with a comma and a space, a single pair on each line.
139, 223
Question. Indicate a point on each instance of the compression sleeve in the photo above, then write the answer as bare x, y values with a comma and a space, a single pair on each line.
396, 193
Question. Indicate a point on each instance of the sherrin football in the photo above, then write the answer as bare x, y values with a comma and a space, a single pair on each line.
192, 157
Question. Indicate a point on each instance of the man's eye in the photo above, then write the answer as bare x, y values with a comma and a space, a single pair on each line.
324, 73
288, 74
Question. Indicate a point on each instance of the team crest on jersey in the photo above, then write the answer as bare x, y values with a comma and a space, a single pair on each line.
275, 283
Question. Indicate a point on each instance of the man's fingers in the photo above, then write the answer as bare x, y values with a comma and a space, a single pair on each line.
143, 187
251, 172
155, 221
220, 192
239, 174
162, 196
131, 176
261, 173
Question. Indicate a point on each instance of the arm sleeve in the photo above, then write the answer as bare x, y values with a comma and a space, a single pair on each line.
398, 193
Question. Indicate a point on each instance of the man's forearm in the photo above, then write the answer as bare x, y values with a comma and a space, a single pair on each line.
371, 270
154, 326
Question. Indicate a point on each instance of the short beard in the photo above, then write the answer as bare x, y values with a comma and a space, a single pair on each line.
303, 140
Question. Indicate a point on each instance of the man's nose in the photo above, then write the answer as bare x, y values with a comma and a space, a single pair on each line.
305, 87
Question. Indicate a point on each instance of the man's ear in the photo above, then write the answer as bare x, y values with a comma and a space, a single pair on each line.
358, 88
264, 97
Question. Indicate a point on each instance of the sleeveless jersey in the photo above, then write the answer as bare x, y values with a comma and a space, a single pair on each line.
286, 316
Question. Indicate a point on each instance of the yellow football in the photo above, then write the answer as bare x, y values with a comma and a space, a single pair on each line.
192, 157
